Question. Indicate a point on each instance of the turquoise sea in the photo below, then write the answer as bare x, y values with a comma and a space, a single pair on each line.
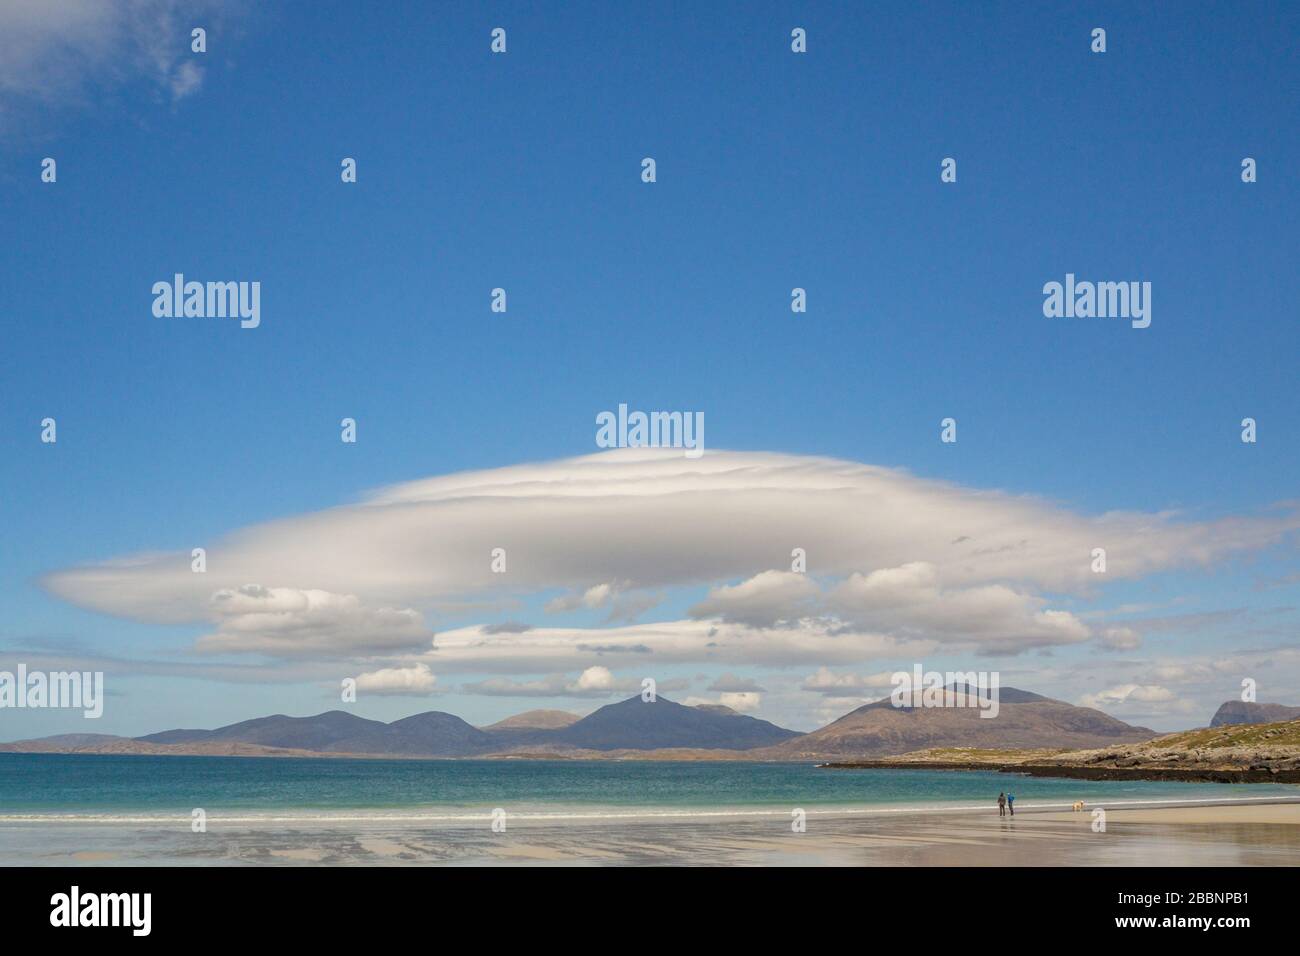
43, 787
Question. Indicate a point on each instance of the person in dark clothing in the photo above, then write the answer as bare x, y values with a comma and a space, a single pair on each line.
1002, 804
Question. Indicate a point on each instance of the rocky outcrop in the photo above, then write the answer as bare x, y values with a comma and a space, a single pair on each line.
1241, 712
1257, 753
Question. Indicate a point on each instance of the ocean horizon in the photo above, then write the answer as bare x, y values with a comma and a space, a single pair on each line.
49, 788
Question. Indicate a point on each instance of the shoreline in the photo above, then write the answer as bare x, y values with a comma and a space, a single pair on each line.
613, 815
1078, 772
1063, 771
1252, 832
1161, 767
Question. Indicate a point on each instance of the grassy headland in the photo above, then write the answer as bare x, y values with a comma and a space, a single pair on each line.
1239, 753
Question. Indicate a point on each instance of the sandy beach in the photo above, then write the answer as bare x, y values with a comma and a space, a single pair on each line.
1279, 814
1253, 834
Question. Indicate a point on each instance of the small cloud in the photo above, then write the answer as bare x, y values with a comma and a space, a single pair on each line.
596, 596
595, 678
187, 78
595, 681
1128, 693
731, 684
622, 607
416, 679
1120, 639
831, 684
744, 703
626, 608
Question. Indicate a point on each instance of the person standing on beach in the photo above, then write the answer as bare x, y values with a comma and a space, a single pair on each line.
1002, 804
1011, 803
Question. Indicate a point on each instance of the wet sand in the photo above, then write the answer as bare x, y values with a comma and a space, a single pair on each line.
1277, 813
1233, 835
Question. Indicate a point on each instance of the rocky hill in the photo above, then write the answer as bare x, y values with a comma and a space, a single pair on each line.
1024, 720
1240, 712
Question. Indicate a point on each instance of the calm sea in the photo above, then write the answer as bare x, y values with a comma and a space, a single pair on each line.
37, 787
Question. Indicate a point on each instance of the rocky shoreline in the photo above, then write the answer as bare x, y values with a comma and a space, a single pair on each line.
1264, 753
1077, 772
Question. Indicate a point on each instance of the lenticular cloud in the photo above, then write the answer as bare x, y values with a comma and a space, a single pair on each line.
652, 519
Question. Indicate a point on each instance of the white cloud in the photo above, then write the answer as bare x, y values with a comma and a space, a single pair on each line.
595, 681
54, 51
762, 601
653, 645
1140, 702
909, 600
596, 596
185, 79
1194, 670
827, 682
286, 622
1120, 639
612, 596
416, 679
742, 702
1123, 694
905, 601
916, 559
553, 685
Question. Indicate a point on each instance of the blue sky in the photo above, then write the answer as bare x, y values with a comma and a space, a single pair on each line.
522, 171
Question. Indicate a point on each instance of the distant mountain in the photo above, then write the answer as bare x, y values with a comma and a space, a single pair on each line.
535, 720
628, 725
307, 733
1025, 720
633, 724
633, 727
71, 742
1240, 712
431, 734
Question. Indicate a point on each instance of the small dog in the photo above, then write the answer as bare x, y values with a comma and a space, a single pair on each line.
1078, 805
